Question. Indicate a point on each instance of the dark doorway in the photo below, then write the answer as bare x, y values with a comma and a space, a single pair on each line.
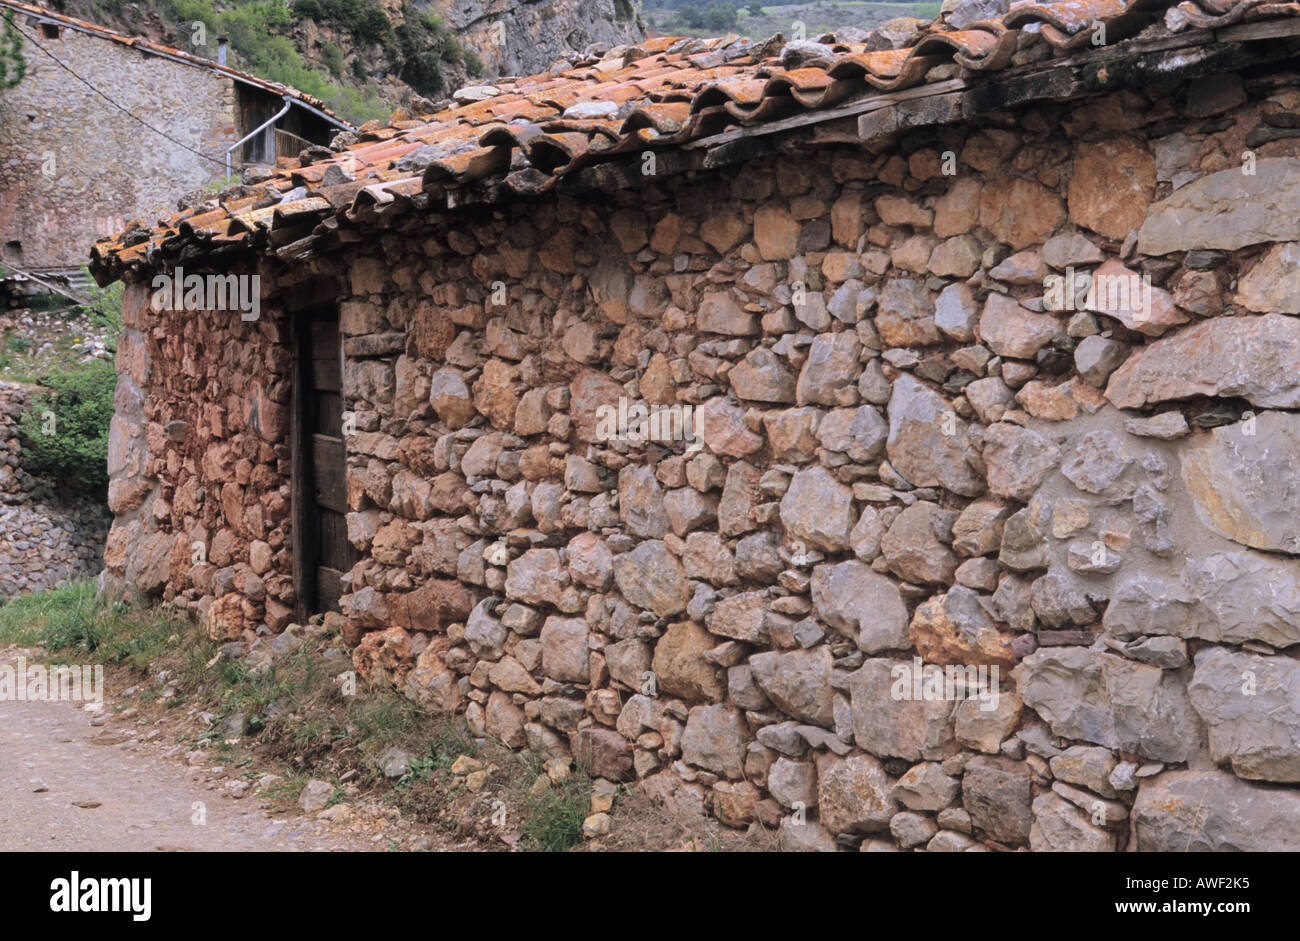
322, 554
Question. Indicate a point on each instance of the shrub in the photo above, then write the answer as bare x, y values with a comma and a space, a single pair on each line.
46, 300
424, 74
307, 10
373, 25
12, 64
344, 12
473, 63
64, 431
188, 11
331, 56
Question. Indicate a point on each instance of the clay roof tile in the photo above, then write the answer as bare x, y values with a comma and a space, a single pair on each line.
664, 92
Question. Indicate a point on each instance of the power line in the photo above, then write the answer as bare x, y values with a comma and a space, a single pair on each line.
119, 107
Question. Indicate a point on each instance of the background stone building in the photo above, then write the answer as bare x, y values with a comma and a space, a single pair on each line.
75, 167
924, 442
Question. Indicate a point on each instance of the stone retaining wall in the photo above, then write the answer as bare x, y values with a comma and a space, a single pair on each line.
45, 539
915, 444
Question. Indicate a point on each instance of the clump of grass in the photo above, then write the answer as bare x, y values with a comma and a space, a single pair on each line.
448, 741
385, 720
451, 741
27, 619
418, 770
72, 621
552, 815
288, 683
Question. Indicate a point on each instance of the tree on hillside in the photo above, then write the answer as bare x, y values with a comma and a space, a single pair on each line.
12, 64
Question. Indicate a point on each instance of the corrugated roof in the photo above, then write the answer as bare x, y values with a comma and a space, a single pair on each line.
156, 48
661, 95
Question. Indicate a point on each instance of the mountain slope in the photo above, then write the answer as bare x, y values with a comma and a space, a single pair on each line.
365, 57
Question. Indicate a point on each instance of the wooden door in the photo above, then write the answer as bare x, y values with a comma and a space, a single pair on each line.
322, 553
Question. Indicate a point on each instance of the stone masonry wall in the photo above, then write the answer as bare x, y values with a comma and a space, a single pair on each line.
73, 168
914, 445
199, 463
46, 539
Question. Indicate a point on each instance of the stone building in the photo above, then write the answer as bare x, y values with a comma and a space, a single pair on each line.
974, 356
75, 166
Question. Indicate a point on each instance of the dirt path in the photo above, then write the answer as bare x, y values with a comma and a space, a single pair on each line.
67, 784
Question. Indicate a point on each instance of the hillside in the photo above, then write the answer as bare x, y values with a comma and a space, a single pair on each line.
365, 57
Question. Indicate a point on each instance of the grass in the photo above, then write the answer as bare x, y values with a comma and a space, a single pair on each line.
47, 300
301, 726
442, 749
71, 621
552, 816
19, 363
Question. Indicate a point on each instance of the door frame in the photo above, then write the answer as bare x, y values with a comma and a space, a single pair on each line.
318, 297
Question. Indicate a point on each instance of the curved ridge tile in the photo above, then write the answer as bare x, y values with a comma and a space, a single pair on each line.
971, 43
1068, 16
771, 108
837, 91
996, 59
912, 73
469, 164
884, 63
550, 152
741, 91
666, 117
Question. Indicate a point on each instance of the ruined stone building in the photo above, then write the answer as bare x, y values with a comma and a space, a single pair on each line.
972, 345
75, 166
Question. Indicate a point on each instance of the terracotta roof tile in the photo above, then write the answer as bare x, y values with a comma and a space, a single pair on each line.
664, 93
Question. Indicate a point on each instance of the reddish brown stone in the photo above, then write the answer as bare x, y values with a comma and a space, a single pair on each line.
603, 752
589, 391
382, 655
494, 393
432, 606
1020, 212
1112, 186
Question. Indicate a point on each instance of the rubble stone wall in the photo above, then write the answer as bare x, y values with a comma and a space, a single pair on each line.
199, 462
46, 538
915, 450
